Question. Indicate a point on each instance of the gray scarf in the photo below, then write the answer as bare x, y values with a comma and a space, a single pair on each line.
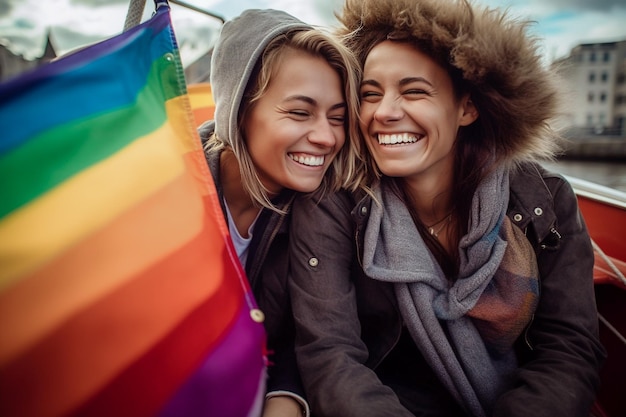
464, 329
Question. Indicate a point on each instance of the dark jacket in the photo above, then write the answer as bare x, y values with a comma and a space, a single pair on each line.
267, 271
346, 320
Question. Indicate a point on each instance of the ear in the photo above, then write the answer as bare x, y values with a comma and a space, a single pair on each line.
469, 112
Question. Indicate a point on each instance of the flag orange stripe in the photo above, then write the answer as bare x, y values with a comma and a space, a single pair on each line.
146, 233
155, 371
97, 344
202, 104
184, 133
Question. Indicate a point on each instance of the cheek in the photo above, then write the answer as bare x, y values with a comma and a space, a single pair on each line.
260, 148
371, 148
363, 123
340, 137
366, 112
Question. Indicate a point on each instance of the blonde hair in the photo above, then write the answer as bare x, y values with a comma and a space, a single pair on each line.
487, 53
346, 170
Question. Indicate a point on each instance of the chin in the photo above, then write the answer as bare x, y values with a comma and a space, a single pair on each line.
389, 170
306, 188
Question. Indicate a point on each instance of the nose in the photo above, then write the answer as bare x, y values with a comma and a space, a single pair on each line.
389, 109
324, 134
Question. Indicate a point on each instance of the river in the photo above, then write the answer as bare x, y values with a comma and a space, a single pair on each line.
610, 174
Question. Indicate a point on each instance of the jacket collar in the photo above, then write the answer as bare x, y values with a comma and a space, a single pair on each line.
531, 203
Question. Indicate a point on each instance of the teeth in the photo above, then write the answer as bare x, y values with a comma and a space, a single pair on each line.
312, 161
396, 138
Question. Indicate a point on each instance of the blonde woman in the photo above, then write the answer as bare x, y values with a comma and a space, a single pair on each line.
286, 98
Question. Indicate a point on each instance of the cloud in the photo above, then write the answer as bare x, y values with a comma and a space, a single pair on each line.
5, 7
561, 24
98, 3
66, 39
587, 5
24, 24
315, 12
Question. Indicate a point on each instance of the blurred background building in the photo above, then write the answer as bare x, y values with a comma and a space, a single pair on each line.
594, 77
12, 64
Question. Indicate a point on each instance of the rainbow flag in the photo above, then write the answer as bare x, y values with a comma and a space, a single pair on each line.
120, 291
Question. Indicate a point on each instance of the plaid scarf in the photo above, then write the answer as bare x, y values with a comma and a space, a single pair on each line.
464, 329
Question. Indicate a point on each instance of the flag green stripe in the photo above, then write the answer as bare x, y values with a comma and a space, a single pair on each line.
49, 159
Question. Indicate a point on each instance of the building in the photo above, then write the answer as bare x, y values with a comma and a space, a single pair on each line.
595, 77
12, 64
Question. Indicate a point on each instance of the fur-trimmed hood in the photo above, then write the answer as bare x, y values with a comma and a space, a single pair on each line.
498, 60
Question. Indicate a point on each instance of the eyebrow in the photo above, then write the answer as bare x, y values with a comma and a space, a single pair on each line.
312, 102
402, 82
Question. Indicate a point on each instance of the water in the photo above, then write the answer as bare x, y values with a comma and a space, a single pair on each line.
610, 174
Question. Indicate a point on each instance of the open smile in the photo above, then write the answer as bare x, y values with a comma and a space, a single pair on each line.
397, 138
307, 159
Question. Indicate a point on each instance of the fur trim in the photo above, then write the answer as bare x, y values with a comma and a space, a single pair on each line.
499, 62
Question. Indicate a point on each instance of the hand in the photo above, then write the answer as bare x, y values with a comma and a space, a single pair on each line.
282, 406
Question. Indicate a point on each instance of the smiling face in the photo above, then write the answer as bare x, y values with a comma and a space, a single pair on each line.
410, 115
296, 128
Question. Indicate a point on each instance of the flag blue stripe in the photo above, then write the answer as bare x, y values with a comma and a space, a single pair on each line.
105, 65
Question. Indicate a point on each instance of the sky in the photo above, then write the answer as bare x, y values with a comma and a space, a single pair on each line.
561, 24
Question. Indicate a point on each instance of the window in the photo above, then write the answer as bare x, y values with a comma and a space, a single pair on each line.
606, 57
590, 97
602, 97
592, 77
589, 120
605, 76
592, 57
621, 77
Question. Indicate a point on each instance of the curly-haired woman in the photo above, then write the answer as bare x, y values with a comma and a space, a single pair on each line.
461, 283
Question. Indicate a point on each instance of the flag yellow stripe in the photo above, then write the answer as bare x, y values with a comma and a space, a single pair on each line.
47, 226
145, 237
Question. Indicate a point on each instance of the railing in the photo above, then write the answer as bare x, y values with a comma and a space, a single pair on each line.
604, 210
598, 192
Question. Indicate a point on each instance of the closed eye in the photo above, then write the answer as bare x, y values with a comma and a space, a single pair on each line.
415, 91
337, 120
370, 96
298, 113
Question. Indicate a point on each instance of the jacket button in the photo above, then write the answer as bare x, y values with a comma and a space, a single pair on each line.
517, 217
313, 262
257, 315
538, 211
363, 211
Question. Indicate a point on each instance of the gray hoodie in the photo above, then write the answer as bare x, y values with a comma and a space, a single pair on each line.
241, 43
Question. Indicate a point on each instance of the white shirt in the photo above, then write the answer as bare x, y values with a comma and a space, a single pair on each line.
242, 244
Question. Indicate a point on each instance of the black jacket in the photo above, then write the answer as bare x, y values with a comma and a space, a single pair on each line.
267, 270
349, 327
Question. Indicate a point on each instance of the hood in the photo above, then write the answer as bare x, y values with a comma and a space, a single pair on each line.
496, 54
240, 45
